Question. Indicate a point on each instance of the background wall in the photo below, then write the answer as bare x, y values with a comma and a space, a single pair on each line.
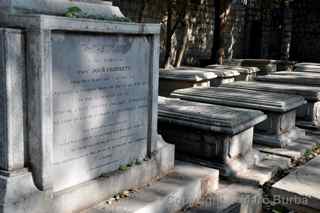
271, 29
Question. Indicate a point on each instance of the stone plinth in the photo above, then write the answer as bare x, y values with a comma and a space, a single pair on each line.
217, 134
278, 130
170, 80
91, 107
298, 78
300, 190
246, 73
223, 76
60, 7
308, 115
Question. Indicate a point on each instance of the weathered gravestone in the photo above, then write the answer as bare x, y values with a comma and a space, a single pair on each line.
278, 130
170, 80
246, 73
91, 107
308, 115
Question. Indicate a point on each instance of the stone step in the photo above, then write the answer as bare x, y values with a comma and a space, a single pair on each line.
300, 190
183, 187
231, 197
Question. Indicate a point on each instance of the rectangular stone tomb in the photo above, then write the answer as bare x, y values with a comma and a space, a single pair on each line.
223, 75
246, 73
170, 80
300, 190
299, 78
308, 115
215, 135
91, 104
278, 130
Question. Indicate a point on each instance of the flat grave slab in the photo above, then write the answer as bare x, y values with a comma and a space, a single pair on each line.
210, 133
299, 78
308, 115
278, 130
170, 80
300, 190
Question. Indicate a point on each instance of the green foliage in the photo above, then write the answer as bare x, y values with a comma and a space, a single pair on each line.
279, 209
76, 12
308, 153
123, 168
138, 162
73, 12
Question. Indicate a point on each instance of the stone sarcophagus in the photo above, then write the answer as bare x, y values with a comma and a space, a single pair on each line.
218, 136
278, 130
308, 115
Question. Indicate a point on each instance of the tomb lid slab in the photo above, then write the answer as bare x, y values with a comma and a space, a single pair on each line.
207, 116
311, 93
240, 69
266, 101
300, 78
186, 75
226, 73
307, 65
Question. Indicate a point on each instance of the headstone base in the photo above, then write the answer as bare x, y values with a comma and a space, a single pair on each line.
20, 195
90, 193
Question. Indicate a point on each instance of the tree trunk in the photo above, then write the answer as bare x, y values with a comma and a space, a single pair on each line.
222, 8
186, 33
169, 35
